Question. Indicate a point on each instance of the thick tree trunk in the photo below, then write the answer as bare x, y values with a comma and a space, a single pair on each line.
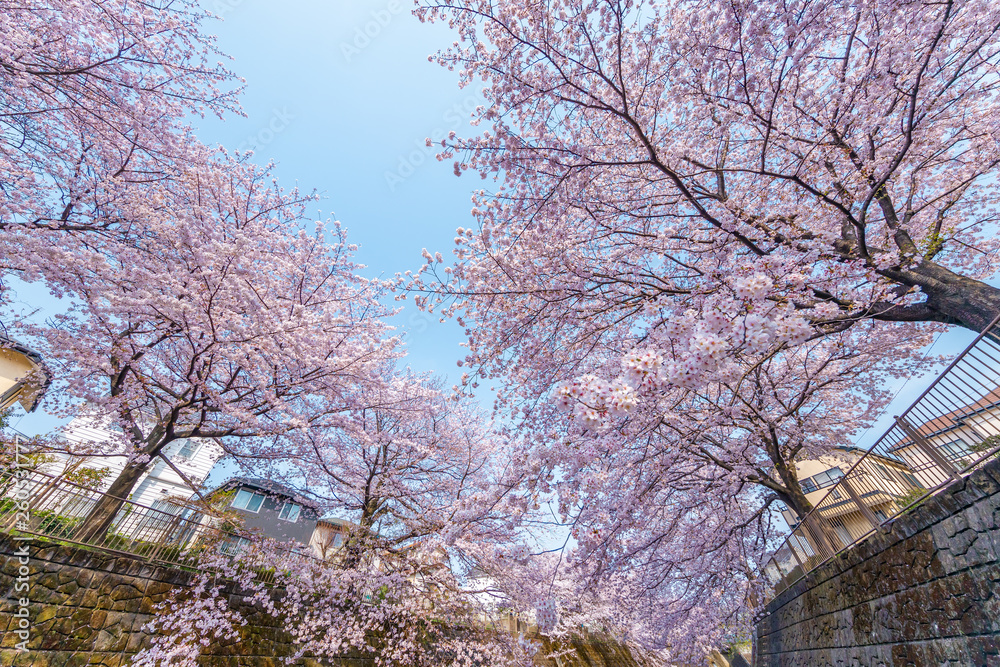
816, 530
795, 499
358, 541
951, 297
97, 523
791, 492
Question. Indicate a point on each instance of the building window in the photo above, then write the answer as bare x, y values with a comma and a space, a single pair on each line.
188, 450
828, 477
160, 516
78, 506
884, 472
234, 546
903, 477
954, 450
248, 500
289, 512
822, 480
843, 535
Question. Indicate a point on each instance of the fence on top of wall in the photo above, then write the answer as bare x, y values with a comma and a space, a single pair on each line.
951, 429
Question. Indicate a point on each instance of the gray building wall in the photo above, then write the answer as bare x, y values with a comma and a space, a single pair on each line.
267, 522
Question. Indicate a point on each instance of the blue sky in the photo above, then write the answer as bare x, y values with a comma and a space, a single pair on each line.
341, 96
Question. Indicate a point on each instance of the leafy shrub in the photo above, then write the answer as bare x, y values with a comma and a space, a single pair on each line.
54, 525
910, 497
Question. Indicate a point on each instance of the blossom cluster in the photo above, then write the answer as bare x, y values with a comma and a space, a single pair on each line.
188, 623
702, 350
518, 553
547, 615
592, 399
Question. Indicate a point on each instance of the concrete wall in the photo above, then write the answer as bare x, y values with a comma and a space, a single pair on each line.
923, 590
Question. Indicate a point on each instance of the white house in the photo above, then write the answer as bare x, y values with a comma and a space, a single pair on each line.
193, 457
959, 437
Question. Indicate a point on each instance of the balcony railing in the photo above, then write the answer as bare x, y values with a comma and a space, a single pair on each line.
167, 534
951, 429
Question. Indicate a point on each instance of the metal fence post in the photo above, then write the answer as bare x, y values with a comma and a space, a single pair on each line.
866, 511
798, 560
815, 528
928, 449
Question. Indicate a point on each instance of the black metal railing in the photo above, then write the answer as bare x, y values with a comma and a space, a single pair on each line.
169, 533
952, 428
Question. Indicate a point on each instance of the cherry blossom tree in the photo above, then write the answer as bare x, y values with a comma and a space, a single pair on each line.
416, 471
832, 155
708, 214
94, 97
665, 477
686, 186
668, 593
236, 320
665, 493
677, 585
759, 417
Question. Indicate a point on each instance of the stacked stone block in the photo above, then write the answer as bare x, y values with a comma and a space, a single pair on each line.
86, 607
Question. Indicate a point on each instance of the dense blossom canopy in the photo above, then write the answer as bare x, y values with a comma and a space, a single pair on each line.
706, 214
95, 95
388, 618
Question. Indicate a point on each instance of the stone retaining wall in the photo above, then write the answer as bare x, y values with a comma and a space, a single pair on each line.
923, 590
89, 608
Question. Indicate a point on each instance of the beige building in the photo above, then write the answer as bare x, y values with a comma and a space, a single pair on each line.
23, 376
850, 510
920, 452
